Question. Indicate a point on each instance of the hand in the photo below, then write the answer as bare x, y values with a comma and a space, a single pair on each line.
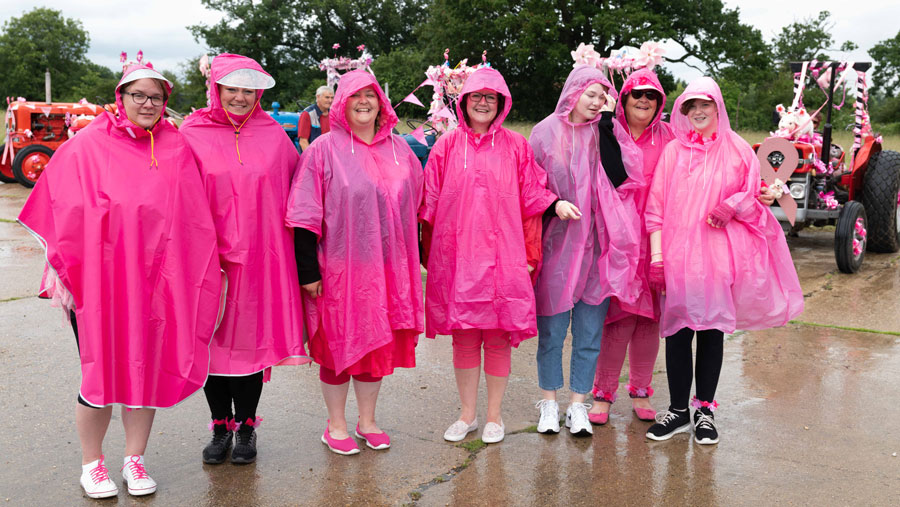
609, 105
530, 269
314, 289
657, 278
566, 210
720, 216
765, 195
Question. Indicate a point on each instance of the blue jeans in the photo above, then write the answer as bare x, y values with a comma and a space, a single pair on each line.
587, 331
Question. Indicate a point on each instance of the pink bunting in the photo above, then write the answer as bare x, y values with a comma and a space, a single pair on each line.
412, 99
419, 135
445, 113
46, 111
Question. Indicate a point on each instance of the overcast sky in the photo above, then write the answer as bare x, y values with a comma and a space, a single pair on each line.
159, 27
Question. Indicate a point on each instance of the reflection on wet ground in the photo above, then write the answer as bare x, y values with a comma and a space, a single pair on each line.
806, 417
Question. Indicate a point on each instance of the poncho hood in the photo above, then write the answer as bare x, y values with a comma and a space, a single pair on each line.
578, 81
485, 78
351, 83
120, 119
221, 66
684, 131
643, 78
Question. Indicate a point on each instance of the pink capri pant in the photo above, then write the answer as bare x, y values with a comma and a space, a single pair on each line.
467, 345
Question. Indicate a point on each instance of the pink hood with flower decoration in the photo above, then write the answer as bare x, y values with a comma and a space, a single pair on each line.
361, 200
263, 322
122, 214
737, 277
595, 257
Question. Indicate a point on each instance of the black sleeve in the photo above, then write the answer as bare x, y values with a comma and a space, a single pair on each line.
610, 152
305, 253
550, 212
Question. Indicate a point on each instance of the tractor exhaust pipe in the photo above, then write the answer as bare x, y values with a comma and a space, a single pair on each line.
47, 86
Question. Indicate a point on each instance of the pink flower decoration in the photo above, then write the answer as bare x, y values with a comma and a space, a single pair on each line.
123, 57
140, 56
28, 133
584, 54
335, 46
649, 56
21, 99
204, 65
361, 47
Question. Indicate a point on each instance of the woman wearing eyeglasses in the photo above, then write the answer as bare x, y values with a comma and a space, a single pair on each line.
247, 162
591, 161
484, 195
633, 328
131, 254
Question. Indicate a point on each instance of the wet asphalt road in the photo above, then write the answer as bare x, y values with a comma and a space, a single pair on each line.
808, 416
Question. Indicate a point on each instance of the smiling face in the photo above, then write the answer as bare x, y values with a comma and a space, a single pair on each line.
481, 107
703, 115
639, 112
589, 103
143, 115
239, 101
362, 109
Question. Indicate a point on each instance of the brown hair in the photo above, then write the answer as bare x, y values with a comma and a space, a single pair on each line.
464, 105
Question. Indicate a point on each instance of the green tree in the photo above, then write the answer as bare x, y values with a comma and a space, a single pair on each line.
806, 40
42, 39
886, 77
290, 37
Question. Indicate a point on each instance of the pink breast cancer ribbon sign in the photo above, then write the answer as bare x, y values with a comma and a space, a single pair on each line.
777, 179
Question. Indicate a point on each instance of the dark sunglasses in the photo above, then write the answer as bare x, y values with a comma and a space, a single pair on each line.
650, 94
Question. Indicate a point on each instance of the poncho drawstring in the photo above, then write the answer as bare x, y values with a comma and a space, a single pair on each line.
237, 128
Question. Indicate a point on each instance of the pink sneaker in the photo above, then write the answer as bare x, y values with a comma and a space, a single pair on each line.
377, 441
346, 446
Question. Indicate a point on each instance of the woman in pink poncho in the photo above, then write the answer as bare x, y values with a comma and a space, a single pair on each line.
354, 203
634, 327
717, 255
131, 251
247, 163
484, 195
591, 161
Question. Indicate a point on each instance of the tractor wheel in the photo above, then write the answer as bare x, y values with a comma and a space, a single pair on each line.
6, 176
850, 237
881, 192
30, 163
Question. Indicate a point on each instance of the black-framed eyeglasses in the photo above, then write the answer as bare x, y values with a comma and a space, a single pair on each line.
476, 98
650, 94
140, 98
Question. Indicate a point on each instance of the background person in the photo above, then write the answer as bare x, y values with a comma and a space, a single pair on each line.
131, 252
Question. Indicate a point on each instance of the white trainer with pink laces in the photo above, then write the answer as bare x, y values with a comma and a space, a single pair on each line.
136, 478
95, 480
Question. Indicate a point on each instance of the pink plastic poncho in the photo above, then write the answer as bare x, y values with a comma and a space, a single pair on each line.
738, 277
595, 257
361, 200
478, 192
126, 225
651, 142
263, 322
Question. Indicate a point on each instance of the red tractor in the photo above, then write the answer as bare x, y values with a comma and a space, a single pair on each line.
34, 131
856, 190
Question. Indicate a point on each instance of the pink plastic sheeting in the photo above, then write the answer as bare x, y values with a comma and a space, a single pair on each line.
737, 277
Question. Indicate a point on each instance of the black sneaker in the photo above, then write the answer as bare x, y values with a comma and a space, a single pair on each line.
245, 445
705, 427
215, 451
669, 424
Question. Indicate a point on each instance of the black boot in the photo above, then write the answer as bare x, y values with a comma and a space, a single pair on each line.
245, 444
217, 448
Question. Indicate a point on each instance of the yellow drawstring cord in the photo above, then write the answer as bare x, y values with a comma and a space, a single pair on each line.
153, 160
237, 129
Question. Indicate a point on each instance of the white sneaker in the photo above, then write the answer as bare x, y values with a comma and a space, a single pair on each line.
577, 419
458, 430
549, 421
135, 476
493, 432
95, 480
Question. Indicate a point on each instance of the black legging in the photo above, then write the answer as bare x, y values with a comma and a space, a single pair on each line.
710, 349
244, 391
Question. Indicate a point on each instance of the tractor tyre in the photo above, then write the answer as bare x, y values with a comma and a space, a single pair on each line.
10, 178
850, 237
30, 163
881, 192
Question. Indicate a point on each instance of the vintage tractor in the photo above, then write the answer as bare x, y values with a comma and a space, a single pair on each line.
856, 190
289, 121
34, 131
